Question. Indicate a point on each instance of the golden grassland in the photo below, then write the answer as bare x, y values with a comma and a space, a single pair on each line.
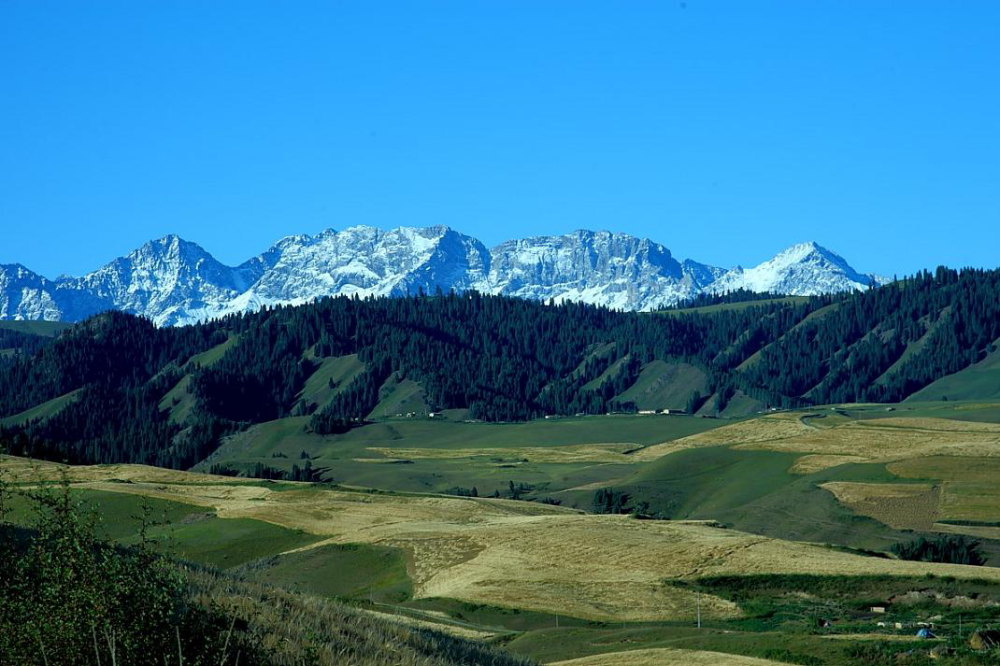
515, 554
666, 657
965, 489
810, 464
882, 440
29, 470
901, 506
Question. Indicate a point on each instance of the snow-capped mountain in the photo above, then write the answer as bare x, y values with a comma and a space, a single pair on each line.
169, 280
26, 295
173, 281
364, 261
802, 270
615, 270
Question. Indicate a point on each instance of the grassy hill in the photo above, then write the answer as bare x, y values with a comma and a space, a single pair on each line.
661, 385
980, 381
549, 582
481, 524
48, 329
332, 376
420, 454
41, 411
345, 362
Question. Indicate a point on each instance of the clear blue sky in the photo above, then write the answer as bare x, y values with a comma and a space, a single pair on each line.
724, 130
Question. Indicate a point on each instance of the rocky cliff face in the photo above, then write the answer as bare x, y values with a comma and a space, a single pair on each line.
173, 281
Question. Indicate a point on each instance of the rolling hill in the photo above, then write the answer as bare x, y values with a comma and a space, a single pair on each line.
168, 395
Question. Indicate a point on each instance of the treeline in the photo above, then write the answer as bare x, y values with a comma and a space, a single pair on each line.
503, 359
952, 549
849, 352
736, 296
17, 343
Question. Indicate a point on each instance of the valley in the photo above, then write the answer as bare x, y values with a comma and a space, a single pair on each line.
758, 509
740, 481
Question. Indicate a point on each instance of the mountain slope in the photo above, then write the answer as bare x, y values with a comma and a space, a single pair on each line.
363, 261
615, 270
169, 280
806, 269
142, 396
173, 281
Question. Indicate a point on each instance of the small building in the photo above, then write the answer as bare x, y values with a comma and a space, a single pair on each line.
878, 609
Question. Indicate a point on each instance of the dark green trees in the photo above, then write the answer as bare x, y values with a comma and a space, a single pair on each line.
501, 358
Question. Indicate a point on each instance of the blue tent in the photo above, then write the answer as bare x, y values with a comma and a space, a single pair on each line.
925, 633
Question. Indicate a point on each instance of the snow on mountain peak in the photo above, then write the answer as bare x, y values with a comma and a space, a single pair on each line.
174, 281
804, 269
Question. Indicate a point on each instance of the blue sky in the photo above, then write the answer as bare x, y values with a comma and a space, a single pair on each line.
724, 130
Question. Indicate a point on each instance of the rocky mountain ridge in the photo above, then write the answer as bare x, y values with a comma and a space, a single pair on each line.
173, 281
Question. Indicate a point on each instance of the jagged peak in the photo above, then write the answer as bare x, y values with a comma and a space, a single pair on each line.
169, 245
800, 251
172, 280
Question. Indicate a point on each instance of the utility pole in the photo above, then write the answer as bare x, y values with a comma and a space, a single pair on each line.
699, 609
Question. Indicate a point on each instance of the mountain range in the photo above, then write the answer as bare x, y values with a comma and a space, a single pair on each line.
173, 281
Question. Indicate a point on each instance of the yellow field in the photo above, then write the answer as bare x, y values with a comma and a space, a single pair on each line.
967, 491
883, 440
902, 506
23, 469
947, 468
667, 657
517, 554
817, 462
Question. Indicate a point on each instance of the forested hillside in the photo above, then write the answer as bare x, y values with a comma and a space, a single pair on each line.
116, 388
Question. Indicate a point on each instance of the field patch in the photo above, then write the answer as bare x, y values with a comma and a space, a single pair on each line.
948, 468
913, 506
978, 501
483, 455
229, 543
817, 462
593, 453
666, 657
511, 554
886, 439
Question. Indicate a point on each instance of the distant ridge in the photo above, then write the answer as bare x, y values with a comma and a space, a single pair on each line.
173, 281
